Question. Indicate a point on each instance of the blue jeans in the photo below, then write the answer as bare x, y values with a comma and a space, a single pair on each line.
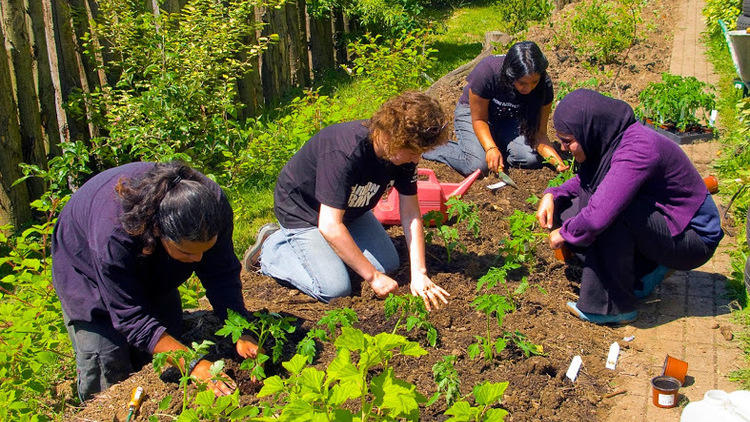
103, 355
305, 260
466, 154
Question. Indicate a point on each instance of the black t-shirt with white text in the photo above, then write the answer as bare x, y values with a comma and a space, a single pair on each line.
337, 167
505, 103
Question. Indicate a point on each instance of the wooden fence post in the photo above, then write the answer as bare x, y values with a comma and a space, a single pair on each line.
339, 36
321, 44
275, 71
249, 89
14, 201
299, 57
32, 139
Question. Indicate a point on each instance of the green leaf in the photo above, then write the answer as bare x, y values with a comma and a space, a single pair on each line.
205, 398
412, 348
339, 394
461, 411
495, 415
341, 369
489, 393
216, 368
271, 386
164, 403
297, 410
244, 413
351, 339
295, 365
312, 378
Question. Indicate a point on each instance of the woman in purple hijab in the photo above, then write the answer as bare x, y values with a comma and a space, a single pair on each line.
636, 208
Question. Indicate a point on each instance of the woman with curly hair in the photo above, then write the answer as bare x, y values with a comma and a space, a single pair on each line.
122, 245
501, 118
325, 194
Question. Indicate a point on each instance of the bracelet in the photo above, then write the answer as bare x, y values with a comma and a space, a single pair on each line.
193, 363
491, 148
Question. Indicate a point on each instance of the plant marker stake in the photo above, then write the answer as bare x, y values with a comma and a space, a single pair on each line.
614, 352
712, 117
575, 366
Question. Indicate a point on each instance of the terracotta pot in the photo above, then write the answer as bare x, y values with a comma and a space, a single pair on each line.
664, 391
675, 368
712, 183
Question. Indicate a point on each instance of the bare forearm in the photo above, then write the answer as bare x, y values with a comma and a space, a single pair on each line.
482, 131
414, 234
548, 152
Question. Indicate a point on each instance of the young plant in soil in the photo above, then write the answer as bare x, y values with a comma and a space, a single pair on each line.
363, 390
560, 178
265, 325
446, 377
448, 234
677, 102
182, 357
519, 246
332, 319
464, 212
490, 305
411, 310
486, 395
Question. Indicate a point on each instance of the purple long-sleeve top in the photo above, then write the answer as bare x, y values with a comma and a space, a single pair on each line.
98, 269
645, 164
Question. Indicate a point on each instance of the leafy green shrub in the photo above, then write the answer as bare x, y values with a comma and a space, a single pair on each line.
347, 390
519, 245
333, 318
34, 347
726, 10
519, 13
394, 65
598, 30
676, 100
412, 312
387, 17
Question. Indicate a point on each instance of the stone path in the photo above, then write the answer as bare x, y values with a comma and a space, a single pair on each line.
688, 316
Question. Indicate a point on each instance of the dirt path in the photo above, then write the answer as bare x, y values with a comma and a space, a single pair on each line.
689, 315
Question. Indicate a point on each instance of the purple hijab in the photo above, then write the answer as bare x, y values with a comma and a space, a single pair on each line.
597, 123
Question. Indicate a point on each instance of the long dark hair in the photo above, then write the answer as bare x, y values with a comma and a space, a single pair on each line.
525, 58
172, 201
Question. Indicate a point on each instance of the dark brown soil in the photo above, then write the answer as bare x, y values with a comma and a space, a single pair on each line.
538, 389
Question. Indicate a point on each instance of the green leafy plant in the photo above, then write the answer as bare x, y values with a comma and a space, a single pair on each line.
490, 305
446, 377
448, 234
563, 176
517, 14
726, 10
196, 351
264, 326
598, 30
332, 319
366, 389
486, 395
519, 246
464, 212
411, 311
679, 101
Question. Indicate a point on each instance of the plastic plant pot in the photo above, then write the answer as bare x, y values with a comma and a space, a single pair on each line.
675, 368
664, 391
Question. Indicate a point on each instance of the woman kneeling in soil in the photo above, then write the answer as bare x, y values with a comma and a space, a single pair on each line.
502, 115
123, 243
636, 207
324, 197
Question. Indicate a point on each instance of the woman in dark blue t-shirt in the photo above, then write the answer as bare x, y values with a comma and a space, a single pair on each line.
501, 118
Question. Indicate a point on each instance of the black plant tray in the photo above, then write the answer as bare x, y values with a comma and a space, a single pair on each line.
683, 138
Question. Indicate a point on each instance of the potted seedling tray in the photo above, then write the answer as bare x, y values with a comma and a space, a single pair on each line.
690, 135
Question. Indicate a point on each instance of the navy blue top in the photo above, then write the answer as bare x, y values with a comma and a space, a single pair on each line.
707, 223
337, 167
98, 269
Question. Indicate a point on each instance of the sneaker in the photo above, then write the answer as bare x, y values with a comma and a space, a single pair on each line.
651, 280
252, 254
616, 319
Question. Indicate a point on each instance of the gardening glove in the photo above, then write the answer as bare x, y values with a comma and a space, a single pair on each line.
494, 160
431, 293
247, 347
545, 211
223, 387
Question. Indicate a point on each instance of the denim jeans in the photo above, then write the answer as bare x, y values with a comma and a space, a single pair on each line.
305, 260
103, 355
466, 154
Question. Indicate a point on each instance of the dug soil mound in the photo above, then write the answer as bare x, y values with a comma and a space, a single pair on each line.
538, 389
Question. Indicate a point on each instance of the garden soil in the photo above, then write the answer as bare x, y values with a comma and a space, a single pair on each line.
538, 388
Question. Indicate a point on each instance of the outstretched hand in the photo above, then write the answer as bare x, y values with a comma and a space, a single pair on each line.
431, 293
545, 211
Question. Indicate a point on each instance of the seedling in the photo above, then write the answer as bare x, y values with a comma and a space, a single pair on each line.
312, 394
265, 325
676, 101
448, 234
490, 304
486, 395
528, 348
332, 319
446, 377
464, 211
561, 177
412, 310
518, 247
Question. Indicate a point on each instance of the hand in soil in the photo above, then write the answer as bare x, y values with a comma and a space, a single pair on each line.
202, 371
562, 167
494, 160
545, 211
383, 285
431, 293
555, 239
247, 347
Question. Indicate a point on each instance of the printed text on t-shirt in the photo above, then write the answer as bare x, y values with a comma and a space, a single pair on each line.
361, 195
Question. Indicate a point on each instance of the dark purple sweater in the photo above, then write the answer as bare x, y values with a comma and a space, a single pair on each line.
645, 164
98, 269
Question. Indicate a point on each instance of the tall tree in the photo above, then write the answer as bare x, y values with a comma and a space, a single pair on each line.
14, 201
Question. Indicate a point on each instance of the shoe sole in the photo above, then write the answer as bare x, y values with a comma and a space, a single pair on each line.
252, 255
574, 312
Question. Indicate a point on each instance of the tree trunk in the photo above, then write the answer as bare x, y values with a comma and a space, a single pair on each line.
54, 67
44, 78
321, 44
14, 201
32, 139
